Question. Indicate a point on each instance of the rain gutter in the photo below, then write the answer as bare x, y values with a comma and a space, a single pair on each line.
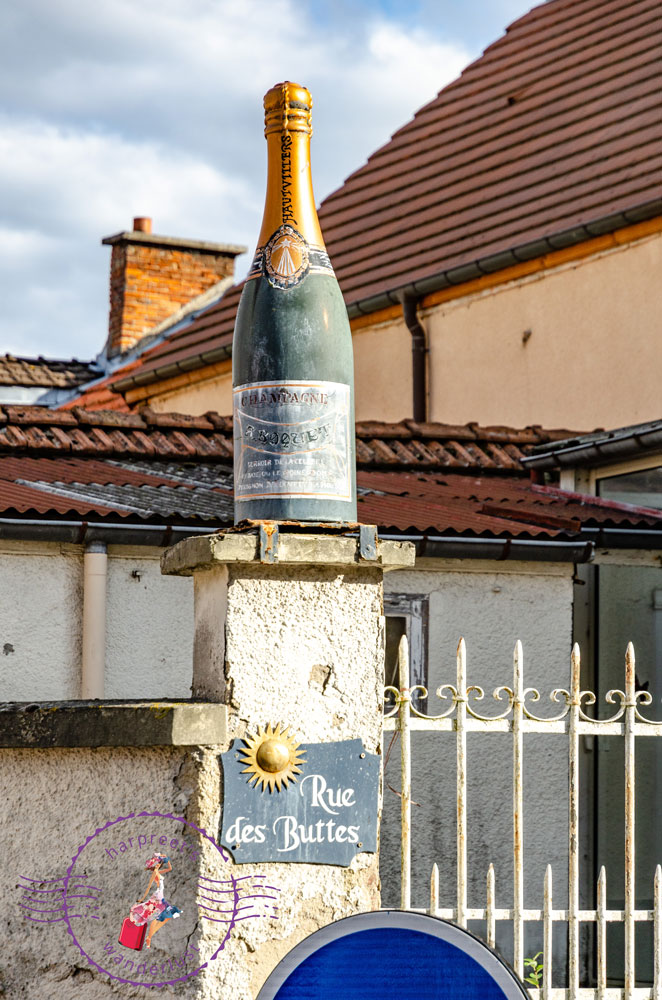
547, 550
452, 547
174, 368
434, 546
589, 451
507, 258
87, 532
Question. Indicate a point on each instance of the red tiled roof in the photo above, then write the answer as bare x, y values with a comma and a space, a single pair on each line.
99, 395
503, 506
149, 434
206, 337
559, 123
173, 469
47, 373
557, 127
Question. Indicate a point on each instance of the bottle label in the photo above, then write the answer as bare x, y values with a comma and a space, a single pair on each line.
292, 439
286, 259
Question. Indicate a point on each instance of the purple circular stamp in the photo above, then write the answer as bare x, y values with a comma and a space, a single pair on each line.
151, 873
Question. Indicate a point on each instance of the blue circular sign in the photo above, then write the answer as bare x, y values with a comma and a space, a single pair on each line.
393, 953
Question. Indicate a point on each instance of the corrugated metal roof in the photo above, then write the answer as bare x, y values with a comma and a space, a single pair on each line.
495, 507
453, 504
553, 132
151, 498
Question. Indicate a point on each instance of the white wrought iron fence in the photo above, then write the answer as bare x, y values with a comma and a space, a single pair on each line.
461, 717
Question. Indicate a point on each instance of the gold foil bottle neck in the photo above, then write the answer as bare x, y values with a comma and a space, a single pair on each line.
287, 109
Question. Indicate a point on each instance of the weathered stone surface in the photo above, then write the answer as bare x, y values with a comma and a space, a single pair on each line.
203, 552
297, 641
53, 800
104, 724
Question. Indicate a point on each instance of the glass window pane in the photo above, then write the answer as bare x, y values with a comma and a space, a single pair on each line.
644, 489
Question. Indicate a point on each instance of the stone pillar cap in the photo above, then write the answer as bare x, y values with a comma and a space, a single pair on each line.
272, 543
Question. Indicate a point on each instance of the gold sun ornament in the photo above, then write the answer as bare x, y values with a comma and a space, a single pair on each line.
273, 757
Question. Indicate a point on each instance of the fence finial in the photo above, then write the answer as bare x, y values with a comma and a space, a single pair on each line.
434, 890
575, 671
518, 671
630, 682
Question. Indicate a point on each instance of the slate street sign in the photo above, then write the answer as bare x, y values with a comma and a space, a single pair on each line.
327, 816
392, 953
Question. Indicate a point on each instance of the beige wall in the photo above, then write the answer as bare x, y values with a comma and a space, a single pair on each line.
382, 372
382, 361
592, 358
212, 394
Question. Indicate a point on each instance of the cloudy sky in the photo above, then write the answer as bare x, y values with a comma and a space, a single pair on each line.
117, 108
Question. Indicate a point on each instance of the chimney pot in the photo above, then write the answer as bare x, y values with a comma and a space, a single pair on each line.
142, 224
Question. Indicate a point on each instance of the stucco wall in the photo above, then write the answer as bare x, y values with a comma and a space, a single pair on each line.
55, 800
491, 605
149, 626
41, 594
591, 359
383, 372
197, 397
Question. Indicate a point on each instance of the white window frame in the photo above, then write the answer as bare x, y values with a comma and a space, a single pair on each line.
414, 608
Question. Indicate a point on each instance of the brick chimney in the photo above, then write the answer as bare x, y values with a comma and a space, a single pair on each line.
152, 277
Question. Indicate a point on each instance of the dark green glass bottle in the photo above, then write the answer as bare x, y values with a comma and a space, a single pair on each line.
292, 362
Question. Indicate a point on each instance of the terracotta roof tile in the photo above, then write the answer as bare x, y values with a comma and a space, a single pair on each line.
153, 419
177, 470
37, 415
105, 418
46, 373
151, 434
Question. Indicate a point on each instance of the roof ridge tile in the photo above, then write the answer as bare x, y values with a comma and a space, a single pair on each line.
36, 415
155, 418
382, 429
105, 418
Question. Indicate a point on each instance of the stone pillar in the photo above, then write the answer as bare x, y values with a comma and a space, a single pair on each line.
289, 628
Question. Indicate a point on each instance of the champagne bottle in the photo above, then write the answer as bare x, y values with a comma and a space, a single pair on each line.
292, 362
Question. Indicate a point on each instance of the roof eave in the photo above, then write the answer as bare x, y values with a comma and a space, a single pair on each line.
508, 258
173, 369
591, 451
578, 550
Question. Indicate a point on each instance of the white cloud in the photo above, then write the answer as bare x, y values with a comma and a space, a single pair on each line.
139, 107
63, 180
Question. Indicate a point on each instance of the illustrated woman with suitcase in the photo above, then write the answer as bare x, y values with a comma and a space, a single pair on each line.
156, 909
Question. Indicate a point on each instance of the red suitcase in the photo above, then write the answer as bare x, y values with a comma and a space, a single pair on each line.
132, 936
